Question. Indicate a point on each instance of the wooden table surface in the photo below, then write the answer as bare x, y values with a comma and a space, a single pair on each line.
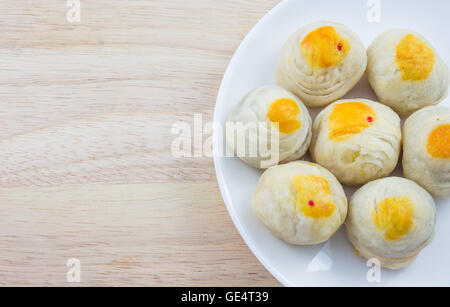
86, 169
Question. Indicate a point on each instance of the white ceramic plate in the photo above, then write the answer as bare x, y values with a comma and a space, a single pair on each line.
335, 262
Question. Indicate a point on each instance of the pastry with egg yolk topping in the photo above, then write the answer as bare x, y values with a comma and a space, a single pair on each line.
359, 140
406, 72
300, 202
269, 126
321, 62
391, 219
426, 149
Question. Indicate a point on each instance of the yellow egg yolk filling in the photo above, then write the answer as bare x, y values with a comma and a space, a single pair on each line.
324, 47
349, 118
394, 217
414, 58
438, 144
313, 196
284, 112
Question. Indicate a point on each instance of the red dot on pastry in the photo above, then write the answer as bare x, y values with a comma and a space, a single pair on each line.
339, 46
311, 203
370, 119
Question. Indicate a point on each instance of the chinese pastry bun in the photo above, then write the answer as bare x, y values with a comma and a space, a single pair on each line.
321, 62
300, 202
426, 149
391, 219
358, 140
272, 116
406, 72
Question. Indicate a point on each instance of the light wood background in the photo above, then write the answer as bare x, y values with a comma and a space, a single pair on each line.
85, 165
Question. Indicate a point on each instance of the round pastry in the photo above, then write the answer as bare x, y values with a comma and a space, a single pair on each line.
426, 149
300, 202
269, 126
405, 71
391, 219
321, 62
357, 140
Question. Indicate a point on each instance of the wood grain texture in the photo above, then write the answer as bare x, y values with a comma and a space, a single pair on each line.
85, 164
